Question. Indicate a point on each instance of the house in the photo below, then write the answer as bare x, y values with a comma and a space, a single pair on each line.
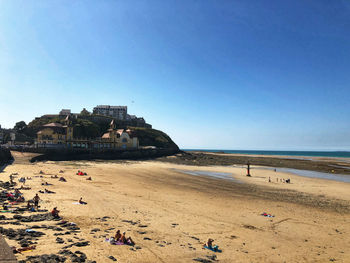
56, 134
117, 112
118, 138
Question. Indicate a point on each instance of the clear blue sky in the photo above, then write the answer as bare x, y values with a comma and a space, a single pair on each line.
211, 74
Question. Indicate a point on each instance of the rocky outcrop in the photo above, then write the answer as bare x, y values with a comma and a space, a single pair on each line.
5, 156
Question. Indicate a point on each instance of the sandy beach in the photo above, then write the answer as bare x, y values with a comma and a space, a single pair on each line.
170, 214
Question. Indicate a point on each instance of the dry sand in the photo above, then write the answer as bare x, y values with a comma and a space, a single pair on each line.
179, 212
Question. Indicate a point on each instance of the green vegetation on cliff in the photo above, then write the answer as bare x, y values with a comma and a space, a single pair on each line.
152, 137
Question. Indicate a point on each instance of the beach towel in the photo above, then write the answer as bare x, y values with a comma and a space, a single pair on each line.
214, 249
267, 215
77, 203
113, 242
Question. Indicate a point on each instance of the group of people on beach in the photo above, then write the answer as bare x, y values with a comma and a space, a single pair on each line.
281, 180
122, 238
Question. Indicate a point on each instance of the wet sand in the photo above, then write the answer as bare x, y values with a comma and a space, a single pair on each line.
321, 164
170, 214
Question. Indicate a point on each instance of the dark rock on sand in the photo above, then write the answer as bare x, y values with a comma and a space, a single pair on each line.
59, 240
44, 258
203, 260
112, 258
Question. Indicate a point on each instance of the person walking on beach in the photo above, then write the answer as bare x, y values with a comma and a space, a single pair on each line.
36, 201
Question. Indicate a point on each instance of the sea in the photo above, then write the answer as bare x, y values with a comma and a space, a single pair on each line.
340, 154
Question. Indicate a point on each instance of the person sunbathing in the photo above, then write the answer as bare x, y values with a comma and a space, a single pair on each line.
36, 201
46, 183
17, 193
129, 241
82, 202
20, 199
25, 248
5, 206
89, 178
209, 243
122, 238
62, 179
55, 212
49, 192
117, 235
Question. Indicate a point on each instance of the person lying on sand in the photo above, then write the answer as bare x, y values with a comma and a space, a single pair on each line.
20, 199
127, 241
5, 206
89, 178
29, 205
46, 183
17, 193
49, 192
62, 179
24, 188
19, 250
55, 212
82, 202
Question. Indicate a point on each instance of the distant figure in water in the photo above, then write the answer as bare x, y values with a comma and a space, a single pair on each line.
275, 170
248, 169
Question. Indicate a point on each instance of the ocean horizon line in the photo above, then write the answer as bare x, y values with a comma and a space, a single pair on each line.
310, 153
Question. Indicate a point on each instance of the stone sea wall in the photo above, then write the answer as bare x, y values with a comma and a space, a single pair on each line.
80, 154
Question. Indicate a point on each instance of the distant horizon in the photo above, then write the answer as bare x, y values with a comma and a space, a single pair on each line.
263, 150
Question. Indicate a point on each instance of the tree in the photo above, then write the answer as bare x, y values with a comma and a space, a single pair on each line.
84, 112
20, 126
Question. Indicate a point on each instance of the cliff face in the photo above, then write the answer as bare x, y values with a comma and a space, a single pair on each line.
152, 137
5, 156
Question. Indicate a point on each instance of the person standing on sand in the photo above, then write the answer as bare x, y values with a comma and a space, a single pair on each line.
36, 201
248, 169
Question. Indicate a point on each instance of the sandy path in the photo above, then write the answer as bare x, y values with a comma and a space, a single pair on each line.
176, 209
